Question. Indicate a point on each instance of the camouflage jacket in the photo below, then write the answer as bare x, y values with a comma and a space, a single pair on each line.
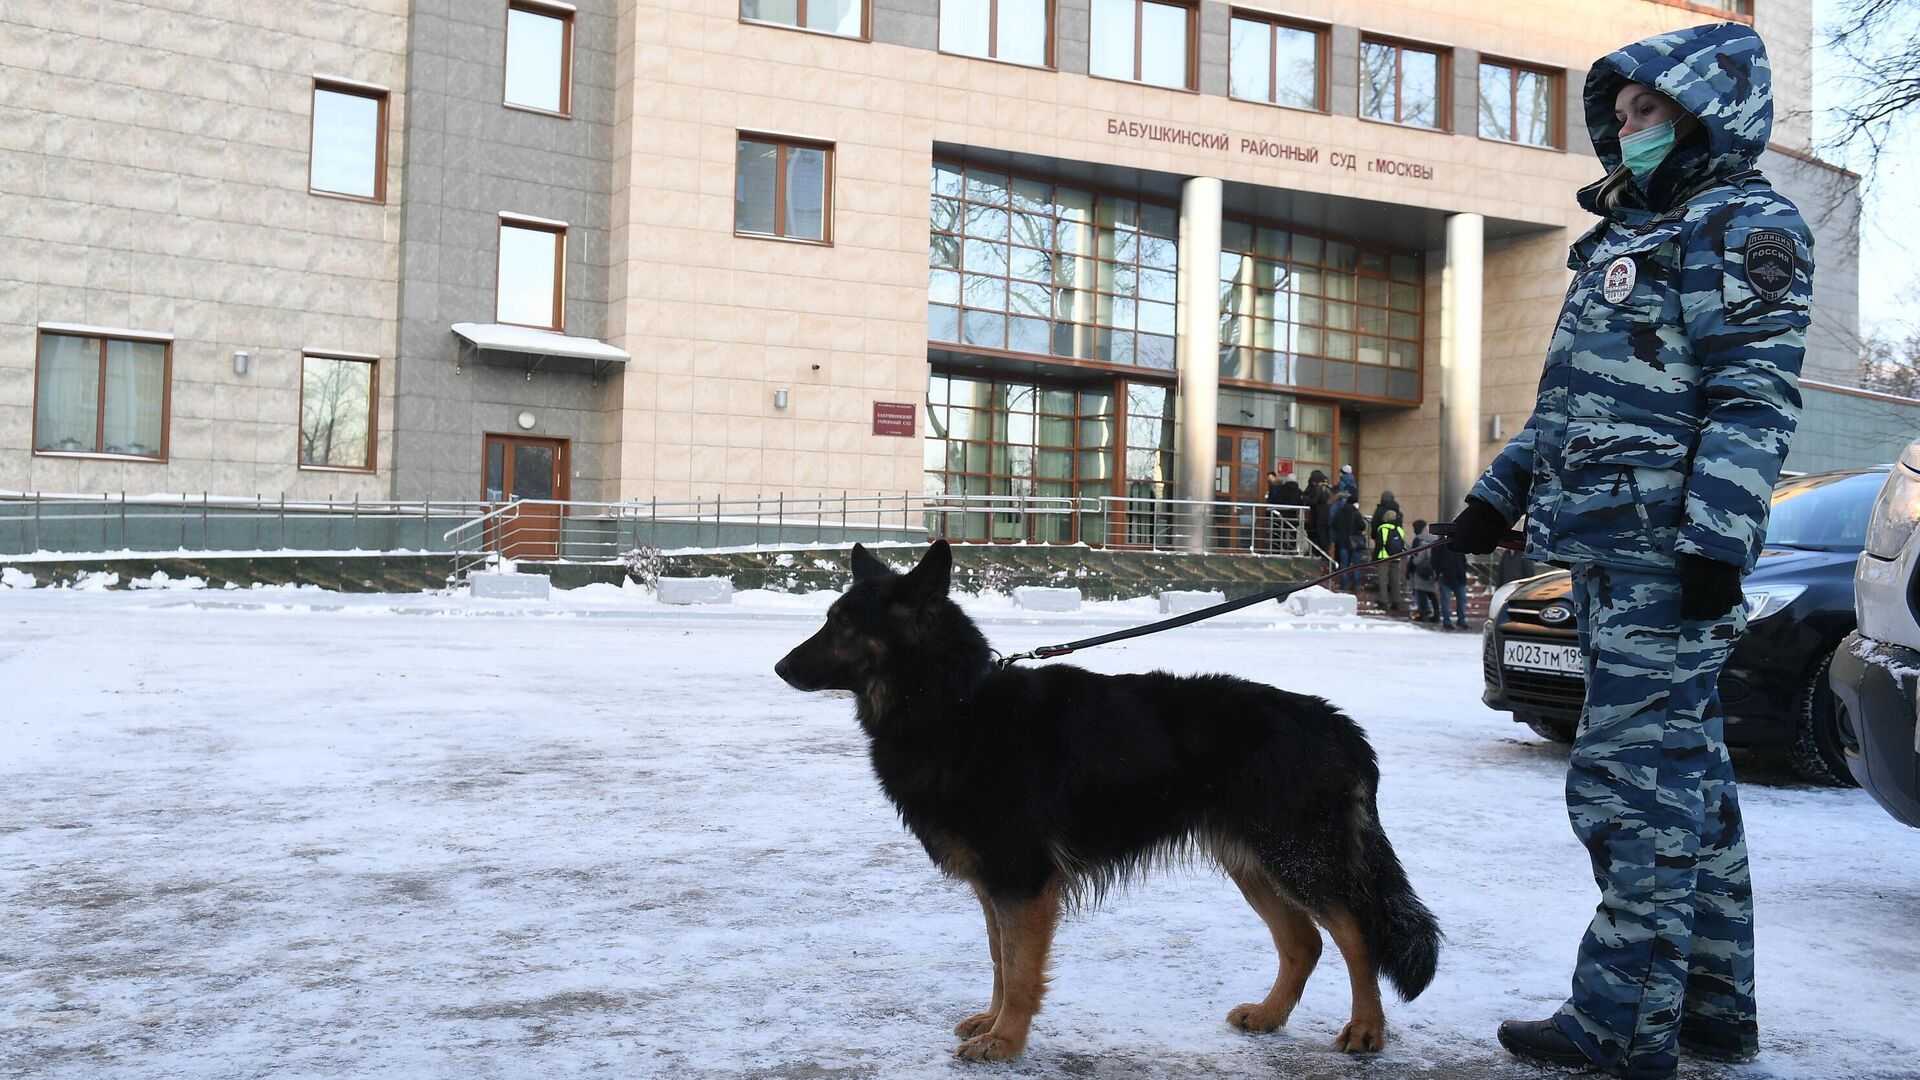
1671, 387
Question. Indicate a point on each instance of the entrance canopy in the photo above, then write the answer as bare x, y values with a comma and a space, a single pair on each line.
524, 346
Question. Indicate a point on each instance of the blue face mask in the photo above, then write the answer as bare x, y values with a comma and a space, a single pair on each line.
1644, 150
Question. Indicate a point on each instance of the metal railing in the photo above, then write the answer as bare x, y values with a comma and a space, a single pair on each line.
39, 523
475, 531
541, 530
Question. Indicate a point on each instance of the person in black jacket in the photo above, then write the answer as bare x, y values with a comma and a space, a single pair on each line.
1350, 538
1319, 497
1450, 569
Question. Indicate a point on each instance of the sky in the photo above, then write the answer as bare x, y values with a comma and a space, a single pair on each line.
1890, 215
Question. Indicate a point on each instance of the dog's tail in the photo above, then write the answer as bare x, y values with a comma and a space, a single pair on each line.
1402, 934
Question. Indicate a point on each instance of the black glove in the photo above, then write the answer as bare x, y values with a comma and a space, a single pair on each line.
1478, 530
1708, 587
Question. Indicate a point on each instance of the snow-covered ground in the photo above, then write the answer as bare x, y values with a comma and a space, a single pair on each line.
292, 833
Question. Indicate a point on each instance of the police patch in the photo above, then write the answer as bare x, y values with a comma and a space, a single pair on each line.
1769, 261
1617, 285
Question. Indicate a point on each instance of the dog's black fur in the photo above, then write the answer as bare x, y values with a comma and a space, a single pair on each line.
1043, 786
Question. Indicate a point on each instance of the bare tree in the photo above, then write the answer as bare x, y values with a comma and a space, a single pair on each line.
1891, 366
1879, 40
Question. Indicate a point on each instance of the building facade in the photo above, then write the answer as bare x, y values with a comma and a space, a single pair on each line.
1146, 249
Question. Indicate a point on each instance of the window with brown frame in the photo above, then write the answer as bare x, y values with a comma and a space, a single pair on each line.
1016, 31
337, 411
1024, 265
539, 57
95, 393
1519, 103
1276, 61
347, 152
783, 188
1144, 41
1403, 83
1316, 312
531, 283
841, 18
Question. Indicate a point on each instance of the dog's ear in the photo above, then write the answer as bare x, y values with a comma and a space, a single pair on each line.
931, 577
866, 566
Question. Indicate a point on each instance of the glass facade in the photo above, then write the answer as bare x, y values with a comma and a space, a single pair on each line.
1028, 266
1302, 311
1025, 439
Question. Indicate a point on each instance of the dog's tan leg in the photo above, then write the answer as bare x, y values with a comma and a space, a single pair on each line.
974, 1025
1366, 1031
1298, 942
1026, 935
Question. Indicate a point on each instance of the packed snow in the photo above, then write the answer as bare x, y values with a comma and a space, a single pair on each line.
296, 833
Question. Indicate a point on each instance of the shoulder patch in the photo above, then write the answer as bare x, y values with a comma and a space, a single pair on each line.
1769, 262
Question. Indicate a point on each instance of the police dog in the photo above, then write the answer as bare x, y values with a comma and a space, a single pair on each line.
1044, 787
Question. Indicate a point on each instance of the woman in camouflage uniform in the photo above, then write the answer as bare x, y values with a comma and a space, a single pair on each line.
1669, 395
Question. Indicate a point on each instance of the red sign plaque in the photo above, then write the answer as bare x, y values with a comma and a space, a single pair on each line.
1283, 466
893, 418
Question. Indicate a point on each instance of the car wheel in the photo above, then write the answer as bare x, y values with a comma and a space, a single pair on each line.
1559, 731
1816, 751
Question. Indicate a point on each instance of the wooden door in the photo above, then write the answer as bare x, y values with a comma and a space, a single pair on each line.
518, 467
1239, 476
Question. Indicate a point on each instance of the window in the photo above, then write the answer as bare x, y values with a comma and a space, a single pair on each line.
842, 18
539, 57
336, 412
1519, 104
1012, 438
1298, 309
532, 279
349, 141
99, 394
1275, 62
1143, 41
1402, 84
1028, 266
1012, 30
783, 188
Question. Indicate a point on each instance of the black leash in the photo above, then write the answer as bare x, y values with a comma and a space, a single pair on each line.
1048, 652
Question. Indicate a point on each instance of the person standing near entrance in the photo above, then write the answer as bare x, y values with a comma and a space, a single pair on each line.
1389, 539
1669, 397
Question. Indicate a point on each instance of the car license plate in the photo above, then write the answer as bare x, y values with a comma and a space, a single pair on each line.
1533, 656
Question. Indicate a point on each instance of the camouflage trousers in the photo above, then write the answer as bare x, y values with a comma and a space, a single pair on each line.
1668, 960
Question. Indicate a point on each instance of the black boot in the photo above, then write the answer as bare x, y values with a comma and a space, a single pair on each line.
1540, 1042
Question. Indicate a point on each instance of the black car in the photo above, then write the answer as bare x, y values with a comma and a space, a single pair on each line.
1774, 687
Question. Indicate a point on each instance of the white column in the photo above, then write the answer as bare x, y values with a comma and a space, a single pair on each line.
1197, 354
1460, 303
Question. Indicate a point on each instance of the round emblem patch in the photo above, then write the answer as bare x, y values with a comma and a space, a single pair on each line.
1618, 283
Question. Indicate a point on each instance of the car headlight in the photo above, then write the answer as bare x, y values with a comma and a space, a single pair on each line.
1895, 512
1765, 600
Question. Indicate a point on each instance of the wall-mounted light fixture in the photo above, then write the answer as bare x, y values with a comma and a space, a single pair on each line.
526, 420
240, 362
780, 399
1495, 432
